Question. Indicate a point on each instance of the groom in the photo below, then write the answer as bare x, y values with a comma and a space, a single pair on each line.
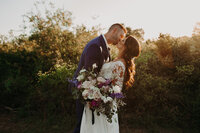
97, 51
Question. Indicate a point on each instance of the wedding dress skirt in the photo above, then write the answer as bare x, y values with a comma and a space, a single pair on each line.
113, 71
101, 125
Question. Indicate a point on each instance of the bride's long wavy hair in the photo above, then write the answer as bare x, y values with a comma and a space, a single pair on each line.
132, 50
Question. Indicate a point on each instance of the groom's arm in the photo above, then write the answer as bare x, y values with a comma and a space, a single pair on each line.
93, 56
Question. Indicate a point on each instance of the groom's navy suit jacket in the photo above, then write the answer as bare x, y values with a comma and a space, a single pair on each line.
97, 52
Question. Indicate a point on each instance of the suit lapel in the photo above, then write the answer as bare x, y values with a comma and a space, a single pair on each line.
105, 50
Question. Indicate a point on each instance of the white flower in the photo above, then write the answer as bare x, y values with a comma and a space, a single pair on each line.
83, 70
105, 100
94, 81
91, 96
116, 89
109, 99
94, 93
97, 95
85, 94
111, 90
80, 77
93, 88
90, 78
87, 84
94, 66
100, 79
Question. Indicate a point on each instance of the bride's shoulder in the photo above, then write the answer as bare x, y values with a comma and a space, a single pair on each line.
120, 62
117, 62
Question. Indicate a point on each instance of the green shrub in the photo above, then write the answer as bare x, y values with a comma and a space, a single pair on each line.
51, 96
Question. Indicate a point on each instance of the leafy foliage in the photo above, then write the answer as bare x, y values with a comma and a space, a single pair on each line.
34, 71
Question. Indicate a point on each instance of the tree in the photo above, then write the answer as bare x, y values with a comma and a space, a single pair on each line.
137, 33
196, 30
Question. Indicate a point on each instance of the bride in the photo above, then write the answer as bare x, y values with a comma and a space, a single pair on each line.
122, 70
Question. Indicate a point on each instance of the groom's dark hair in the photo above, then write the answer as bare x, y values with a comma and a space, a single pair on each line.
119, 26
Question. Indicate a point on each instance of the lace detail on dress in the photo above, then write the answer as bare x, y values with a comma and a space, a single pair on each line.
114, 71
118, 73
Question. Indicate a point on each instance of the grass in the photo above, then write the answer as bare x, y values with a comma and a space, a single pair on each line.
10, 123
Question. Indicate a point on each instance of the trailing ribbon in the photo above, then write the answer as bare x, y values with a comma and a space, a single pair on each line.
92, 116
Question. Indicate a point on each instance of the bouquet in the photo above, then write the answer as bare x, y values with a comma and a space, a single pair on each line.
98, 93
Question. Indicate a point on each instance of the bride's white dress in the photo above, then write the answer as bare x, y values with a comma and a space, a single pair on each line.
111, 70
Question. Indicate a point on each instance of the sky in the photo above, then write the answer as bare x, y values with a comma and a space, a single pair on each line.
175, 17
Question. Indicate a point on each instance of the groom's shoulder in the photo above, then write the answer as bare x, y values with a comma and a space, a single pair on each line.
94, 42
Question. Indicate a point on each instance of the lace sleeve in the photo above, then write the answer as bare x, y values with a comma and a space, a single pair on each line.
118, 74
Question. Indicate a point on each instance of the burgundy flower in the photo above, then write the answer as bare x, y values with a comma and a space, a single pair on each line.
100, 85
94, 103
